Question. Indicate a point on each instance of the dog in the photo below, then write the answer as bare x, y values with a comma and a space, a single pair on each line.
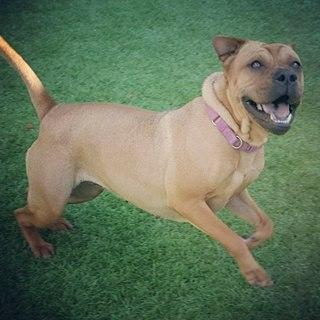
184, 164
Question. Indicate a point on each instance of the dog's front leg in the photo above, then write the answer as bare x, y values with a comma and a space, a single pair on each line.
245, 207
200, 215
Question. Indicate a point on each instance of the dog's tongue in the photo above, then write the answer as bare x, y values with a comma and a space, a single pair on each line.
280, 111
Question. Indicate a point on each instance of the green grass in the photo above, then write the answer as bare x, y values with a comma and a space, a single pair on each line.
120, 262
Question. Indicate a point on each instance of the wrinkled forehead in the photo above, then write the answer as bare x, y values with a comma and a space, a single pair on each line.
275, 53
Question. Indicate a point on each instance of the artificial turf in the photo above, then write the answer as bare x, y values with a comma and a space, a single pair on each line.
120, 262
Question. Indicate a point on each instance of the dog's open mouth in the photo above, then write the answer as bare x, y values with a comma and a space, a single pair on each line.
275, 116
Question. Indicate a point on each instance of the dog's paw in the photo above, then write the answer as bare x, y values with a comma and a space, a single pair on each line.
61, 224
42, 249
258, 277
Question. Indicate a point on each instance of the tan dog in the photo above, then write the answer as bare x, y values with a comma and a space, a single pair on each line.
174, 164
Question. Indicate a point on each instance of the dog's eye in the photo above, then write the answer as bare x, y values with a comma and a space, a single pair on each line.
296, 64
256, 64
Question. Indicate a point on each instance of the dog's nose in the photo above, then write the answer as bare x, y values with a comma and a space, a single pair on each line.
284, 76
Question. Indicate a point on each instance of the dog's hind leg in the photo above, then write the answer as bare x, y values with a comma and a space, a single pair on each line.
50, 175
245, 207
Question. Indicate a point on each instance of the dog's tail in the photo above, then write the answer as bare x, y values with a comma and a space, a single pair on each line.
38, 94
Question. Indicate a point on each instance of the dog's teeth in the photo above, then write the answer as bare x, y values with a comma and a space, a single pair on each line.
273, 118
286, 121
259, 107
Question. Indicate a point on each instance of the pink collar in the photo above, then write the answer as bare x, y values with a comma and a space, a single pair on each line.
233, 139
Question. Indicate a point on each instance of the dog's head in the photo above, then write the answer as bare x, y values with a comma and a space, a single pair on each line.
263, 80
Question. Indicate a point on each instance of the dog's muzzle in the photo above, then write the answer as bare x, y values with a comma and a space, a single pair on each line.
275, 116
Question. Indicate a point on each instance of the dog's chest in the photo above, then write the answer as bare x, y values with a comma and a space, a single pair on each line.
244, 173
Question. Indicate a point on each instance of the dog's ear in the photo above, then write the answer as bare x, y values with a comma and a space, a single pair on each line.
227, 46
292, 46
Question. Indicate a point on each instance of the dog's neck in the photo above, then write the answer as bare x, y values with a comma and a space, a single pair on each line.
215, 93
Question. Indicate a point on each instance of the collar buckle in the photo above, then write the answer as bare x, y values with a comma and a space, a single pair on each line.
240, 141
232, 138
